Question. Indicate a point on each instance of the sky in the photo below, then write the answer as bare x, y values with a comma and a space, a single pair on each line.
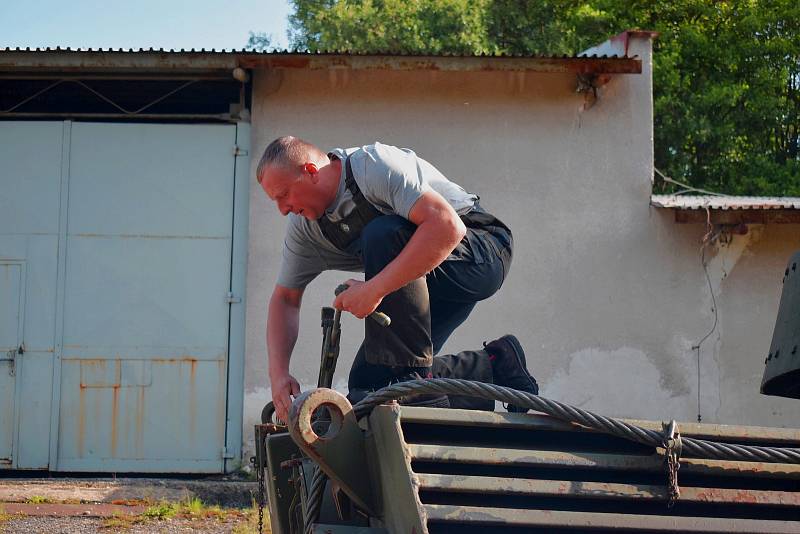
141, 23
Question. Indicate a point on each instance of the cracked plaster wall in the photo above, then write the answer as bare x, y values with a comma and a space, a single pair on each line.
606, 293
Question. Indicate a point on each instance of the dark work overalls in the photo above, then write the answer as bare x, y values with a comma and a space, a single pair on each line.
426, 311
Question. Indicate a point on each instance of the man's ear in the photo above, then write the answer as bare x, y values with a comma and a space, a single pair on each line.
312, 172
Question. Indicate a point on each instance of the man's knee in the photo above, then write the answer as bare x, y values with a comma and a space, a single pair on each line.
384, 237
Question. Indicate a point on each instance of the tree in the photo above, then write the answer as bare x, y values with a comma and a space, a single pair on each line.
403, 26
726, 73
260, 42
727, 107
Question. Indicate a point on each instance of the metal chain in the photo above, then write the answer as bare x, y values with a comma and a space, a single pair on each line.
262, 497
672, 452
673, 490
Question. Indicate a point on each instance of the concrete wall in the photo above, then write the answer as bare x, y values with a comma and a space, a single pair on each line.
607, 294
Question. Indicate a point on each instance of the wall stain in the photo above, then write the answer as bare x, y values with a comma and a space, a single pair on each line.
139, 424
114, 412
192, 396
81, 418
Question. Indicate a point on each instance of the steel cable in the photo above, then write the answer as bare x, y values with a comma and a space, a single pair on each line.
693, 447
318, 481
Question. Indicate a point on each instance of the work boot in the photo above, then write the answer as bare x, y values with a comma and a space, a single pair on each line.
509, 367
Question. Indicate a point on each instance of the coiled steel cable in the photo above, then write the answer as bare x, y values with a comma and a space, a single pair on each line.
698, 448
314, 501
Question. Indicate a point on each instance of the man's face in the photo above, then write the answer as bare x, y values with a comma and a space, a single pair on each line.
294, 191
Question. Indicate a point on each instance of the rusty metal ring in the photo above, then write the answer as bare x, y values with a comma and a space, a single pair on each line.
305, 410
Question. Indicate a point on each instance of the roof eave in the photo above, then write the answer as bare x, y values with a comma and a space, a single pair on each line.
582, 65
155, 61
730, 210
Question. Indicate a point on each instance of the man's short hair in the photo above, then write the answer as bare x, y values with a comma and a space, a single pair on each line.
287, 152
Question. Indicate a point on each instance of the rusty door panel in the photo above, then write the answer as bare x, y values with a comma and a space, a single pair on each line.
160, 422
145, 343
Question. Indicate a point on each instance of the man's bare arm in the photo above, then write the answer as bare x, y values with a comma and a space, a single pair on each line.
439, 230
282, 329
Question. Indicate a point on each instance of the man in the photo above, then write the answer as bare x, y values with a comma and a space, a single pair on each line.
428, 250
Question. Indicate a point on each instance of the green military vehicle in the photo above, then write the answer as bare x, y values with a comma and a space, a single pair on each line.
380, 467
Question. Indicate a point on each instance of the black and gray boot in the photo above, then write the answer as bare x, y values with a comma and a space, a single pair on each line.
509, 367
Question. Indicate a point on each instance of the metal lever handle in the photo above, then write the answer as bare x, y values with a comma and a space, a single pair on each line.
379, 317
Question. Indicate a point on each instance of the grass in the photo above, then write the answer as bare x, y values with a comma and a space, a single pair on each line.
190, 508
120, 521
38, 499
250, 525
3, 515
243, 521
161, 511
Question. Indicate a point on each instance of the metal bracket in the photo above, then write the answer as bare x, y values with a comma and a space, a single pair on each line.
225, 454
340, 452
12, 360
238, 151
588, 85
230, 298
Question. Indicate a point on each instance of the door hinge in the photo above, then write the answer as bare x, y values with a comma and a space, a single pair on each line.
239, 151
225, 454
230, 298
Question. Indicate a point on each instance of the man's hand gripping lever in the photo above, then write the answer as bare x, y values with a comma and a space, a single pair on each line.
379, 317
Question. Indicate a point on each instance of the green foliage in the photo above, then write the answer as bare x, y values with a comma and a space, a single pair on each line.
163, 510
121, 522
4, 516
260, 42
727, 92
405, 26
726, 73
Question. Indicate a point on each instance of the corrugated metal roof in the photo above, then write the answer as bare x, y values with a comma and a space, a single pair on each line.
701, 202
18, 60
244, 51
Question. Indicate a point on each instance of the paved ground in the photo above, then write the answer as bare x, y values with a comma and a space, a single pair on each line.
130, 505
91, 525
222, 491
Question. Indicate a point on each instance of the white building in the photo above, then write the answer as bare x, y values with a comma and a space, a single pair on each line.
142, 253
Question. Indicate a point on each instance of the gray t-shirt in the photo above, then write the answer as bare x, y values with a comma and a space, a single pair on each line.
392, 179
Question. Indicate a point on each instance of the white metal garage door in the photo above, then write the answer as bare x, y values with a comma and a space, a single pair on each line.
143, 278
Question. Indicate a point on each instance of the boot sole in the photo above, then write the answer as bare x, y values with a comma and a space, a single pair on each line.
519, 355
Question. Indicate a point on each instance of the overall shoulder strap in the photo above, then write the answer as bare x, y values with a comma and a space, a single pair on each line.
365, 211
343, 233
